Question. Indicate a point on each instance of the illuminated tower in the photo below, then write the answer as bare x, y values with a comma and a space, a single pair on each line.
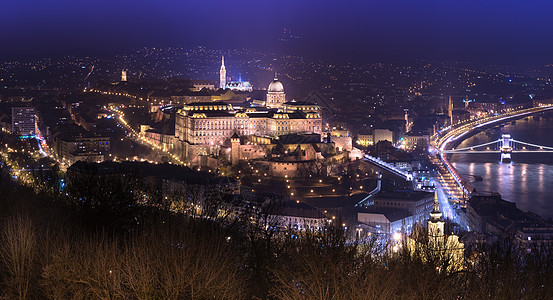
123, 75
407, 123
222, 74
506, 147
275, 94
450, 111
441, 246
435, 224
235, 149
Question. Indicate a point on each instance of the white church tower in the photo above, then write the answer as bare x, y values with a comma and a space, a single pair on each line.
223, 74
435, 224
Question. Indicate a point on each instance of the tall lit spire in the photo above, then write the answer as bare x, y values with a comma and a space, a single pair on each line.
124, 75
450, 111
436, 214
222, 74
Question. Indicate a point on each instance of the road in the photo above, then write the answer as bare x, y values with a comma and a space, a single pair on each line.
135, 136
447, 209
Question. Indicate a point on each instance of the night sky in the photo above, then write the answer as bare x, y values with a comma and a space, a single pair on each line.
491, 31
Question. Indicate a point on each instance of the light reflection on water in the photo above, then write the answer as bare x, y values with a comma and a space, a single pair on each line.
528, 180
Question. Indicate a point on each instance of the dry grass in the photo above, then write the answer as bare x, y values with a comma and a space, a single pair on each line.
194, 263
17, 255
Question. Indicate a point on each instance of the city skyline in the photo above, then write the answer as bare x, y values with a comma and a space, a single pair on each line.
276, 150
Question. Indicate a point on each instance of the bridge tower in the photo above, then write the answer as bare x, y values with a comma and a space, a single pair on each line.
506, 148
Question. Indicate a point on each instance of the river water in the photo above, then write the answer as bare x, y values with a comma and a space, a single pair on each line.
528, 179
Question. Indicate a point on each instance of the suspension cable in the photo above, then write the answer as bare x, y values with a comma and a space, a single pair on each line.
472, 147
533, 145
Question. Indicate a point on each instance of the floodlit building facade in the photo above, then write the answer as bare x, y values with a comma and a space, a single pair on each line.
275, 94
242, 86
441, 245
213, 123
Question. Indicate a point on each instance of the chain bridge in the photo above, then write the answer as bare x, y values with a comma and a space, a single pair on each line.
505, 146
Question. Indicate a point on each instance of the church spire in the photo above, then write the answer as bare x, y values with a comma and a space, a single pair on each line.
436, 214
222, 74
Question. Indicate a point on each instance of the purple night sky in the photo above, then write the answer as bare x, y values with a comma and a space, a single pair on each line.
503, 31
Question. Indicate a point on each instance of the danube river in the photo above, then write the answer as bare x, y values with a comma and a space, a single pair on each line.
528, 179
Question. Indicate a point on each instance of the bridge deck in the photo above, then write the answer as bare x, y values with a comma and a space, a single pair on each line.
456, 132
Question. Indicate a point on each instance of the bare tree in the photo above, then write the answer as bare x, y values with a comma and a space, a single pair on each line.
17, 254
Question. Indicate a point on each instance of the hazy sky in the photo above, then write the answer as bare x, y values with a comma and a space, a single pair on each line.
481, 30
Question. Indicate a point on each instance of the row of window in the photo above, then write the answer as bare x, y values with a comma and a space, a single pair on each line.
393, 203
301, 220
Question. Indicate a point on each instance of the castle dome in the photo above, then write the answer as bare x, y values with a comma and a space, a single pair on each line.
276, 87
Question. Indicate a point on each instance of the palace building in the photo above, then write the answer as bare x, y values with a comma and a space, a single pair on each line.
200, 126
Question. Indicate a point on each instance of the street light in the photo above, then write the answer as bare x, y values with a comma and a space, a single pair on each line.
397, 236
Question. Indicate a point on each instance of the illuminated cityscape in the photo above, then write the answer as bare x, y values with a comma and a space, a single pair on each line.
256, 151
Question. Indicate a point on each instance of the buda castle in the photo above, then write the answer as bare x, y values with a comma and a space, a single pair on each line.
202, 127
